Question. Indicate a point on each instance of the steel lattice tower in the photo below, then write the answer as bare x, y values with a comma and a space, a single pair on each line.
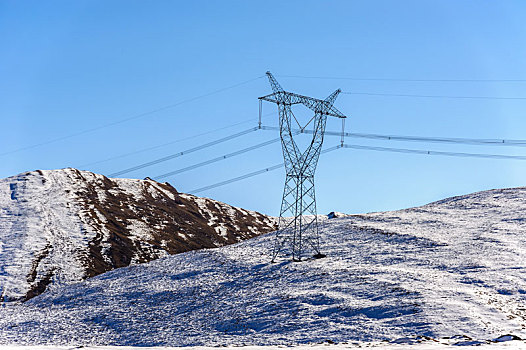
298, 223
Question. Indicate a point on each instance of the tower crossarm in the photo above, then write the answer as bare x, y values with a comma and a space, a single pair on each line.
318, 106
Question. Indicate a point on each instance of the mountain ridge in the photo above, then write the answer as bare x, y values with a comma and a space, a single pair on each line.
62, 226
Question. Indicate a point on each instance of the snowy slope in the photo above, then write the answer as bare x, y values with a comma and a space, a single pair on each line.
62, 226
452, 269
424, 345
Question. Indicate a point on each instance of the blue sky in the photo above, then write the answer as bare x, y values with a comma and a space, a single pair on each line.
71, 66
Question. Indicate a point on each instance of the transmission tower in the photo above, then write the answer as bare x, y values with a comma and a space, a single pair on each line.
298, 223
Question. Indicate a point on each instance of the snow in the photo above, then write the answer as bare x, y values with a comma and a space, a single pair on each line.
131, 187
222, 230
451, 272
139, 229
31, 231
202, 203
205, 204
377, 345
162, 190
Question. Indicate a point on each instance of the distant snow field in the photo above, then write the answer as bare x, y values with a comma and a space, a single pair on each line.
451, 272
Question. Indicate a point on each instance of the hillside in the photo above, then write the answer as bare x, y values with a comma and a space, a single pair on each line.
63, 226
453, 270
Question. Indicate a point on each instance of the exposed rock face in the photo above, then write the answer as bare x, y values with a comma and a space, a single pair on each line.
63, 226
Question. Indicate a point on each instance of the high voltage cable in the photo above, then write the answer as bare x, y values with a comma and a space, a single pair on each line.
165, 144
217, 159
171, 142
246, 176
133, 117
368, 148
332, 133
239, 178
375, 136
435, 153
453, 140
467, 141
435, 96
179, 154
140, 115
406, 80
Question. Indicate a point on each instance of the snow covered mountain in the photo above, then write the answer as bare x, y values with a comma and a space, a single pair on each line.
453, 270
63, 226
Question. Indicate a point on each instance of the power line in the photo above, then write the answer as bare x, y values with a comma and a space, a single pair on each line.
171, 142
133, 117
407, 80
435, 153
165, 144
239, 178
179, 154
452, 140
217, 159
498, 142
367, 148
246, 176
435, 96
